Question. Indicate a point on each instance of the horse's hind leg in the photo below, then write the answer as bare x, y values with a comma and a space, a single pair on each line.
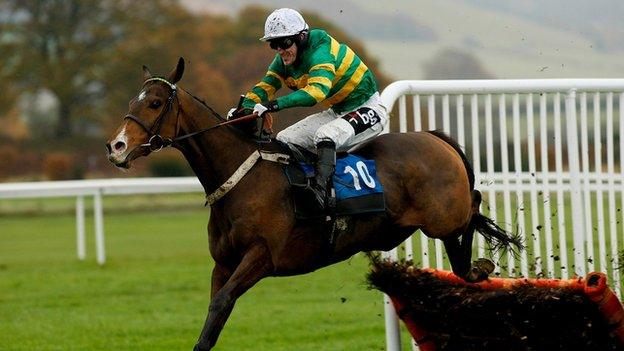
460, 255
255, 265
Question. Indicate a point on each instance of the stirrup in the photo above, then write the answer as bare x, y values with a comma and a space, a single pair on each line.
324, 198
330, 201
320, 195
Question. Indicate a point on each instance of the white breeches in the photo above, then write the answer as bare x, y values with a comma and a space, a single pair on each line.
345, 132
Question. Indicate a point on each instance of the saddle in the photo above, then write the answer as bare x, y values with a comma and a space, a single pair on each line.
355, 185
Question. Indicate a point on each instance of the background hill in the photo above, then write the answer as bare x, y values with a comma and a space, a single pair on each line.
511, 39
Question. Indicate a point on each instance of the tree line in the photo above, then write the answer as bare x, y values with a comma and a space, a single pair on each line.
69, 67
86, 55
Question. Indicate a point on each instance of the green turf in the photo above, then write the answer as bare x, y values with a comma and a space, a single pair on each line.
153, 292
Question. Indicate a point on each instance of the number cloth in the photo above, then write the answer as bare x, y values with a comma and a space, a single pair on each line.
354, 177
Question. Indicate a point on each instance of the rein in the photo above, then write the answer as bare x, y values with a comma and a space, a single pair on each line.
155, 141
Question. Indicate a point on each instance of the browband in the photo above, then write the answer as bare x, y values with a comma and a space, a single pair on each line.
171, 85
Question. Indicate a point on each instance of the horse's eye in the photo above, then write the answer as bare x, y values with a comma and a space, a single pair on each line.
155, 104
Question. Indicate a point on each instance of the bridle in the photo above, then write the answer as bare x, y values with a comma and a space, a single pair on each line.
155, 141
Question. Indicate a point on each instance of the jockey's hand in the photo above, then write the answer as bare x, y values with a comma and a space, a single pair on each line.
234, 113
231, 112
260, 109
269, 106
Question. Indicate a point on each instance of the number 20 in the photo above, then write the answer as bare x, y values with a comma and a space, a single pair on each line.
363, 173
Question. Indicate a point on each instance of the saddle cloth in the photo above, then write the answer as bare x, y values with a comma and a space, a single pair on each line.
355, 184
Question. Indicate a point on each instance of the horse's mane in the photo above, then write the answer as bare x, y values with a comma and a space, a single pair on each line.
455, 145
246, 127
201, 101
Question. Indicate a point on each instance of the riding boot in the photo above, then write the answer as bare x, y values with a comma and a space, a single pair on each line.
325, 166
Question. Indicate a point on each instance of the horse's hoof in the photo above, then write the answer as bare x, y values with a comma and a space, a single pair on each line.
475, 275
480, 270
199, 347
485, 265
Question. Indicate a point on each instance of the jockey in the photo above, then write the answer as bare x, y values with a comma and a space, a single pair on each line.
320, 70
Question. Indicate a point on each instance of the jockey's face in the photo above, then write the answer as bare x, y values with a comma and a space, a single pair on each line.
286, 48
288, 55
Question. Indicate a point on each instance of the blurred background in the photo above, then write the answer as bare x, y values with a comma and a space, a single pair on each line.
69, 67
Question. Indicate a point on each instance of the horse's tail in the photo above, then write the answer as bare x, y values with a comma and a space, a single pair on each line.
495, 236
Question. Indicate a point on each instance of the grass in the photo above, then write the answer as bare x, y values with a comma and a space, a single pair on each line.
153, 292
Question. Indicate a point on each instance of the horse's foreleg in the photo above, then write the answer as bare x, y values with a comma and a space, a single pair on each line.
220, 276
255, 265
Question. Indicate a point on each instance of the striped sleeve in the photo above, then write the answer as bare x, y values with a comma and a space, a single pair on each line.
266, 88
320, 80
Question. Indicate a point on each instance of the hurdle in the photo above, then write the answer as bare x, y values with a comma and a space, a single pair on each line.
443, 312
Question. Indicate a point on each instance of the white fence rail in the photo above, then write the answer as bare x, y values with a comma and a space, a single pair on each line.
97, 188
538, 152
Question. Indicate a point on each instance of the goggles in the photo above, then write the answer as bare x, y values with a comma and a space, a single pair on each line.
282, 43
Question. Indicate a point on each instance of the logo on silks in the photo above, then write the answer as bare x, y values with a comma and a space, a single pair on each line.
362, 119
356, 177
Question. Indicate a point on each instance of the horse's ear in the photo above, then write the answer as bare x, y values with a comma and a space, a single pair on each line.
146, 73
176, 74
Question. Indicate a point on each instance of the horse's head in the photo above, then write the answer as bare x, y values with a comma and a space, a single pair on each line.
151, 121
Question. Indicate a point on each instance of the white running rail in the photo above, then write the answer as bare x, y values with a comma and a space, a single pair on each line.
538, 152
96, 188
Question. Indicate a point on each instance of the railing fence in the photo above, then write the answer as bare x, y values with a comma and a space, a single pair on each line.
97, 188
537, 148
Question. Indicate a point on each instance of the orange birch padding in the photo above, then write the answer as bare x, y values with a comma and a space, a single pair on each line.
509, 283
418, 334
594, 287
597, 290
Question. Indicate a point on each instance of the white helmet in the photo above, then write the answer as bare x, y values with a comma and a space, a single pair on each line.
283, 23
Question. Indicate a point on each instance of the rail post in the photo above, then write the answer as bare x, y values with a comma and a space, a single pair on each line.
80, 228
99, 227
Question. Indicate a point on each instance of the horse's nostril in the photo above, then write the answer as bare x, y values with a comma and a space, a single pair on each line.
120, 145
108, 148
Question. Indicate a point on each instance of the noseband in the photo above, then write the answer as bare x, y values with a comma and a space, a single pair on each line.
155, 141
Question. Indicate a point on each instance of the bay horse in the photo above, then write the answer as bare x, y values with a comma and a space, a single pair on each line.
253, 231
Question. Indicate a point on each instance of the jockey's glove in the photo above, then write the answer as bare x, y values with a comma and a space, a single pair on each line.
269, 106
236, 112
231, 112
